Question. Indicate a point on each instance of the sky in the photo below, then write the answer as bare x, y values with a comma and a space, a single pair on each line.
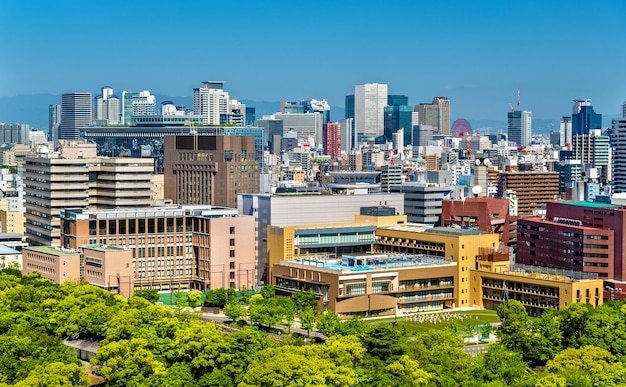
477, 53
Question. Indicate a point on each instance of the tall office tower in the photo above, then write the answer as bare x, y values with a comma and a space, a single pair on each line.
236, 114
80, 179
593, 150
397, 140
565, 130
349, 113
443, 116
75, 114
532, 188
273, 132
348, 136
250, 115
137, 104
422, 135
212, 170
519, 127
618, 144
370, 100
399, 115
332, 140
428, 115
306, 126
308, 106
54, 121
623, 111
210, 101
584, 118
107, 107
14, 133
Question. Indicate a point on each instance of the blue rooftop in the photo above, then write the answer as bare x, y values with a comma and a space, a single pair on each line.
370, 262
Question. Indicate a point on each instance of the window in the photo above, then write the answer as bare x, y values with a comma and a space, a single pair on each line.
232, 266
232, 275
232, 253
232, 241
355, 289
232, 230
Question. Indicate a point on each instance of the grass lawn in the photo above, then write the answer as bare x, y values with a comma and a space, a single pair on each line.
422, 322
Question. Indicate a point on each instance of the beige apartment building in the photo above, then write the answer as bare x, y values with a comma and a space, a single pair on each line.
75, 178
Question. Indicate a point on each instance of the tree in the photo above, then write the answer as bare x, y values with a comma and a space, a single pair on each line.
406, 372
234, 310
304, 301
499, 364
268, 291
151, 295
328, 323
307, 320
382, 342
193, 299
215, 298
56, 374
243, 292
589, 359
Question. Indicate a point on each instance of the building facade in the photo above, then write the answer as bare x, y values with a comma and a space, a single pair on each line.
210, 170
75, 114
370, 100
520, 127
533, 189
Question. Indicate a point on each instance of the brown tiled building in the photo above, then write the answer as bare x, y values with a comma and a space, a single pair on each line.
485, 214
532, 188
201, 169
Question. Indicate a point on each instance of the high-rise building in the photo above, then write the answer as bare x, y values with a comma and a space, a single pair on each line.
137, 104
618, 144
80, 179
209, 170
332, 140
107, 109
349, 113
210, 101
428, 114
348, 136
520, 127
399, 115
54, 121
584, 118
443, 119
305, 125
422, 202
623, 110
565, 130
14, 133
370, 100
75, 114
593, 150
533, 189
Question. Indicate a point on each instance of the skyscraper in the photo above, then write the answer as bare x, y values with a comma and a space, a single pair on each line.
623, 111
107, 106
584, 118
618, 143
565, 130
443, 116
519, 127
399, 115
428, 114
332, 139
210, 102
75, 114
137, 104
370, 100
54, 121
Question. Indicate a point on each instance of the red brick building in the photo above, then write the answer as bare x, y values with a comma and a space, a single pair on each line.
485, 214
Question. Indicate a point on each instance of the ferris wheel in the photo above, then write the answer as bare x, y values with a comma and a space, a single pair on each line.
460, 128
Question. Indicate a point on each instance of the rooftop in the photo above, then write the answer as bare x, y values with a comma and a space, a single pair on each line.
103, 248
52, 250
592, 204
370, 262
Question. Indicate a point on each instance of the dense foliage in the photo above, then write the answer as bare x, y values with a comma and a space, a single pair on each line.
143, 344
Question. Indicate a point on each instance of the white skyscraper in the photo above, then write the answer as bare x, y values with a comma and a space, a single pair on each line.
565, 130
578, 103
370, 100
107, 106
210, 101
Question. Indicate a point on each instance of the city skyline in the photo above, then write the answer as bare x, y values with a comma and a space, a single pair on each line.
476, 54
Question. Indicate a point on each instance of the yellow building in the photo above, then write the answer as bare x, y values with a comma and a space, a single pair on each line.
461, 245
11, 220
495, 280
289, 242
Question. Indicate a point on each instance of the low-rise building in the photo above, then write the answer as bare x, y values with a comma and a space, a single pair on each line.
54, 263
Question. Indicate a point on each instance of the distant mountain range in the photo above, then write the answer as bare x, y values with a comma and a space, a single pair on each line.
33, 110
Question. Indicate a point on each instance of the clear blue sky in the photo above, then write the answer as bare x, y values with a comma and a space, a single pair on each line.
477, 53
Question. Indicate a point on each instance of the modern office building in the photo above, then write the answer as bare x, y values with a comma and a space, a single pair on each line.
137, 104
565, 131
584, 118
428, 114
399, 115
54, 121
79, 179
308, 106
75, 114
210, 102
107, 107
390, 176
305, 208
332, 140
370, 100
443, 119
422, 136
422, 202
533, 189
14, 133
618, 145
349, 139
209, 170
272, 131
520, 127
177, 247
306, 125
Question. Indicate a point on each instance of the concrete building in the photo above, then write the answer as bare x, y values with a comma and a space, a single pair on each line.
210, 102
14, 133
520, 127
75, 114
618, 145
10, 258
495, 280
422, 202
108, 267
177, 247
565, 132
54, 263
305, 125
593, 150
107, 107
370, 100
209, 170
485, 214
305, 209
332, 140
584, 118
76, 178
137, 104
531, 188
54, 121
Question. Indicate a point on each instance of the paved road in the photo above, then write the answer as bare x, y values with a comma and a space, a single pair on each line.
222, 319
